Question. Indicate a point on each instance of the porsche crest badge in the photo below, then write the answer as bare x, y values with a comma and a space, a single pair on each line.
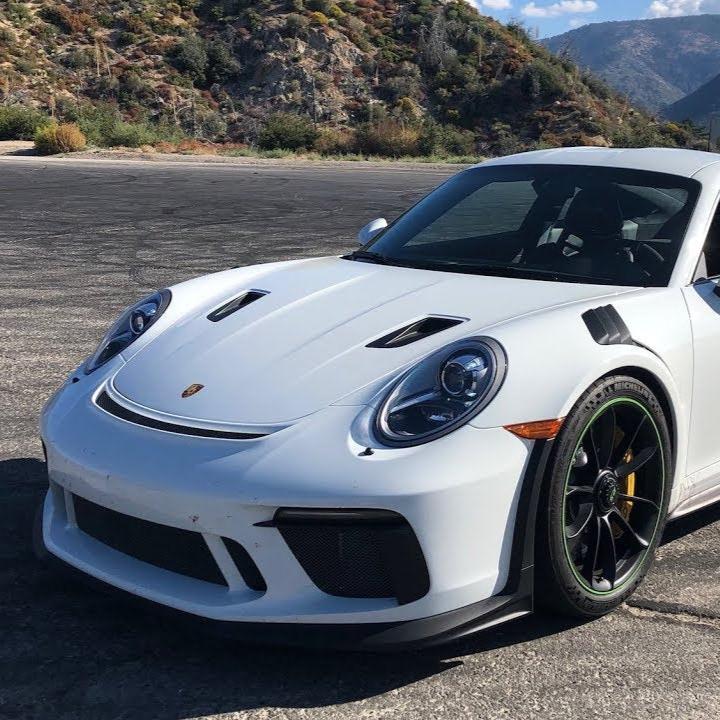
193, 389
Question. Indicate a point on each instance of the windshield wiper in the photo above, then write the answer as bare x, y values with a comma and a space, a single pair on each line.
529, 272
505, 270
477, 269
367, 256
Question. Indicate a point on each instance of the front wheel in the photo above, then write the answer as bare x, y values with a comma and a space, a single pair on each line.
606, 499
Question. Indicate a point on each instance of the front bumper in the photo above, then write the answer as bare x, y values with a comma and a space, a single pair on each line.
460, 495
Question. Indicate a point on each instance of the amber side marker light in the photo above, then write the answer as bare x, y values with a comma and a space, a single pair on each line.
539, 430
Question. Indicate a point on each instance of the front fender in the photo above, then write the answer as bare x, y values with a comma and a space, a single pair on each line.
553, 359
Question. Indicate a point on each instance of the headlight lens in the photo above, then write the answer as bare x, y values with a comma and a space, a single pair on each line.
129, 327
442, 392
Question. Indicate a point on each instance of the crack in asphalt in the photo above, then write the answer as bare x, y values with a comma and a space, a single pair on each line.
678, 612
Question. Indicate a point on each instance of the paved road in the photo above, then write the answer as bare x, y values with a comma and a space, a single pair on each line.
80, 240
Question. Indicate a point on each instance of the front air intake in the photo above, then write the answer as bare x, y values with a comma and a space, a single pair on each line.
415, 331
236, 304
356, 553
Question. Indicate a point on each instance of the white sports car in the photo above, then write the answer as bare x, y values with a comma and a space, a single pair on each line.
495, 404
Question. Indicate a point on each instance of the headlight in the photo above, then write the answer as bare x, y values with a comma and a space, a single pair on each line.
442, 392
128, 328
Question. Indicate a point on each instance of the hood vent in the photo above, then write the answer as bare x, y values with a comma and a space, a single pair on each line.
236, 304
418, 330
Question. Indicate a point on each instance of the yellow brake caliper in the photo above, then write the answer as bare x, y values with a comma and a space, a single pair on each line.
626, 506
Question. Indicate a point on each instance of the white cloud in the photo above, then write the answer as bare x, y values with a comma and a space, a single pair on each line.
491, 4
576, 22
676, 8
559, 8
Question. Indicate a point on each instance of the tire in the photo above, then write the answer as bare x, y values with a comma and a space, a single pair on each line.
585, 519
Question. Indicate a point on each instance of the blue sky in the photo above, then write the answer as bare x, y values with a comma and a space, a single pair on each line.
552, 17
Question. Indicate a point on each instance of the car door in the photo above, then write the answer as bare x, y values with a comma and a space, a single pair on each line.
703, 303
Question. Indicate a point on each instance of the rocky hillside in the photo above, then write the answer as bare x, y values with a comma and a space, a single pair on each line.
655, 62
383, 75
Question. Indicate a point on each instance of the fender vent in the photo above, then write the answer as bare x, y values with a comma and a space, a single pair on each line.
607, 327
415, 331
236, 304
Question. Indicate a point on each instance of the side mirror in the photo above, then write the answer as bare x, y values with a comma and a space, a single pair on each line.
371, 230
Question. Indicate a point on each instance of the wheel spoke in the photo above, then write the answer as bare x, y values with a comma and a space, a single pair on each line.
626, 446
637, 499
626, 528
585, 511
640, 459
602, 438
579, 490
588, 568
607, 555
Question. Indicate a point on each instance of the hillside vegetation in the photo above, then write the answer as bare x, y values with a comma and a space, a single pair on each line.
378, 77
655, 62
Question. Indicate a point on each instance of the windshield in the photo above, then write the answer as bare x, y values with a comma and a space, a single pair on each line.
554, 222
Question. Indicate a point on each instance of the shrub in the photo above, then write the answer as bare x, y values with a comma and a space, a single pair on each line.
130, 135
436, 139
20, 123
19, 13
7, 36
95, 121
125, 38
103, 125
78, 58
296, 25
221, 63
287, 131
190, 57
318, 18
544, 81
64, 18
388, 138
336, 141
52, 139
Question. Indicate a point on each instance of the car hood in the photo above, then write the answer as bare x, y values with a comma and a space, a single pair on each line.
303, 346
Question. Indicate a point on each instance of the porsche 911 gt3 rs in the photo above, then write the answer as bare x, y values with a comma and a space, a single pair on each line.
495, 404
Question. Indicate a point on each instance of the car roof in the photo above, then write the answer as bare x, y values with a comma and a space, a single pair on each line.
674, 161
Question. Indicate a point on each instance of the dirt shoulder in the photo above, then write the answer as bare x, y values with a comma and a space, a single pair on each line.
21, 148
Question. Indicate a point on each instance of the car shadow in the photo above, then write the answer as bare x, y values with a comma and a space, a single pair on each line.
81, 649
688, 524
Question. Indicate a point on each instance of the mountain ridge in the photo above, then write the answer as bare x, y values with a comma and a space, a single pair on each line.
656, 62
381, 76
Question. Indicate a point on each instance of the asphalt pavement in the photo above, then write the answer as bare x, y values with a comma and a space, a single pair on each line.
80, 240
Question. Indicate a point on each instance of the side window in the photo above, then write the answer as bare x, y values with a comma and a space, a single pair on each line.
712, 248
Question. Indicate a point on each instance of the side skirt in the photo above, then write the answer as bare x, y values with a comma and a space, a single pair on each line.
696, 502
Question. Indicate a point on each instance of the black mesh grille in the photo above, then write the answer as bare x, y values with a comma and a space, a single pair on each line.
369, 554
180, 551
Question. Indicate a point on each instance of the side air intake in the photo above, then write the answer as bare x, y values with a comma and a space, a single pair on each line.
415, 331
236, 304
